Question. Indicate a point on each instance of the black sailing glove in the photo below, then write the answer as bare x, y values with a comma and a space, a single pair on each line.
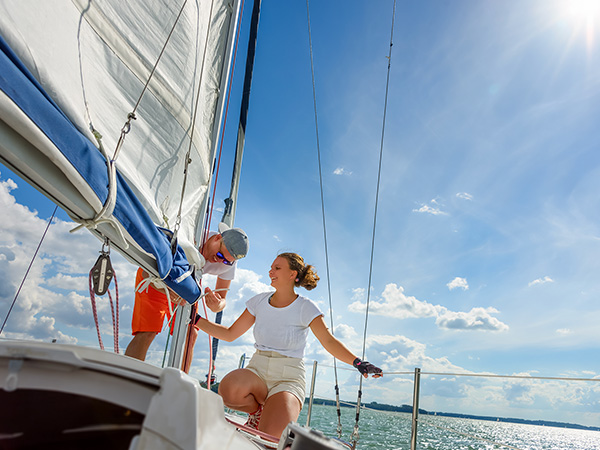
365, 368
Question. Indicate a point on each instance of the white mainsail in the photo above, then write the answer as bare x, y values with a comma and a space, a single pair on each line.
92, 61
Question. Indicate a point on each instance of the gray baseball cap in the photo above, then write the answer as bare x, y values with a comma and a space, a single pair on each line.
235, 240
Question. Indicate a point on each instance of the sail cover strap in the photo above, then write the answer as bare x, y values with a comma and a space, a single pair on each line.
24, 107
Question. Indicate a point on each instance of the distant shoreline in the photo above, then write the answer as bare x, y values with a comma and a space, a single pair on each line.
408, 409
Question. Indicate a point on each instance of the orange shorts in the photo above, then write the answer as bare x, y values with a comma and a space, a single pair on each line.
150, 308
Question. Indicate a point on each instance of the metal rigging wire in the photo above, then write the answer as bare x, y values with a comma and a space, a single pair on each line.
28, 269
312, 68
131, 115
355, 434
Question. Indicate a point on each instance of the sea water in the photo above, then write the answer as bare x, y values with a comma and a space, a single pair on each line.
392, 431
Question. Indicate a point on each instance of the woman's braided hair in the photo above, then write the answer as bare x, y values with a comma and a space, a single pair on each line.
307, 276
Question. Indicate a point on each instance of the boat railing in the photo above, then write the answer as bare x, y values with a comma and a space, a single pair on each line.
417, 374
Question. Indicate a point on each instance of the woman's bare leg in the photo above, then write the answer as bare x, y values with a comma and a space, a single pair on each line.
279, 410
243, 390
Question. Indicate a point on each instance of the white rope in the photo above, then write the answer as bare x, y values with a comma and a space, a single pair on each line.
158, 284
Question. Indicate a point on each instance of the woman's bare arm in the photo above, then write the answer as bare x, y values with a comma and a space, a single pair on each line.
330, 342
230, 333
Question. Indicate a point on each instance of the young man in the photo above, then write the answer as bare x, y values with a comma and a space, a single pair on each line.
221, 252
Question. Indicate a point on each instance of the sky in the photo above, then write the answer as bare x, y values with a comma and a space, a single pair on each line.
487, 241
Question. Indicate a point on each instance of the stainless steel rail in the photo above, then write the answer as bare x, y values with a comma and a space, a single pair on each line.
416, 393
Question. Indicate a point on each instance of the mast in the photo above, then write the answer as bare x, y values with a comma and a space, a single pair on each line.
230, 202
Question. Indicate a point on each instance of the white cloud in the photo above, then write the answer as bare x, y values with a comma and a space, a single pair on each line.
458, 282
397, 305
543, 280
344, 332
564, 331
399, 353
245, 285
342, 171
64, 260
476, 319
464, 196
432, 208
61, 280
358, 293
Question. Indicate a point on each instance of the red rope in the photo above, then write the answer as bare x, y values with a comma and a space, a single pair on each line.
210, 354
93, 299
116, 307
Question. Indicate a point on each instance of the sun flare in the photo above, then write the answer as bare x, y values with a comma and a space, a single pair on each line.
583, 9
584, 16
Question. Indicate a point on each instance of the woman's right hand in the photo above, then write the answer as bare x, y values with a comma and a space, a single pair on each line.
365, 368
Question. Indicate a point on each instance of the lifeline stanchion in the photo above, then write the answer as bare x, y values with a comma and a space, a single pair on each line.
415, 412
312, 393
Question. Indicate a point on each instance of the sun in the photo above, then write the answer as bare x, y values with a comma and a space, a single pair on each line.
584, 16
583, 9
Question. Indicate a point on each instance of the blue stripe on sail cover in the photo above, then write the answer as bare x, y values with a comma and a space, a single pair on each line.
24, 90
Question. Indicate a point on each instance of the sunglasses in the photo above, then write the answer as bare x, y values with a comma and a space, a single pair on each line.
225, 260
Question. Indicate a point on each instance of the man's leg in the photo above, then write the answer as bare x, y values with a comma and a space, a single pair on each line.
138, 347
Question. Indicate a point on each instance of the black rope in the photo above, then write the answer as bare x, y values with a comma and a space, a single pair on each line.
355, 432
28, 269
312, 67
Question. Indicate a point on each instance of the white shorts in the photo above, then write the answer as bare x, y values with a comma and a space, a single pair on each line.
280, 373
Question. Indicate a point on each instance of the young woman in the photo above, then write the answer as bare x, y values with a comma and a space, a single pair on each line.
271, 389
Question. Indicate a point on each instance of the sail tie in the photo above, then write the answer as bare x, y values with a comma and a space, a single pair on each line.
105, 214
92, 224
158, 284
355, 434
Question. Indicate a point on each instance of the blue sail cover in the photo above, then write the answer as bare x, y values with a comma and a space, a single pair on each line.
23, 89
72, 65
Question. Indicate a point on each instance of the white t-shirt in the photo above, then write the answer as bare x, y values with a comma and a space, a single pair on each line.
283, 330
